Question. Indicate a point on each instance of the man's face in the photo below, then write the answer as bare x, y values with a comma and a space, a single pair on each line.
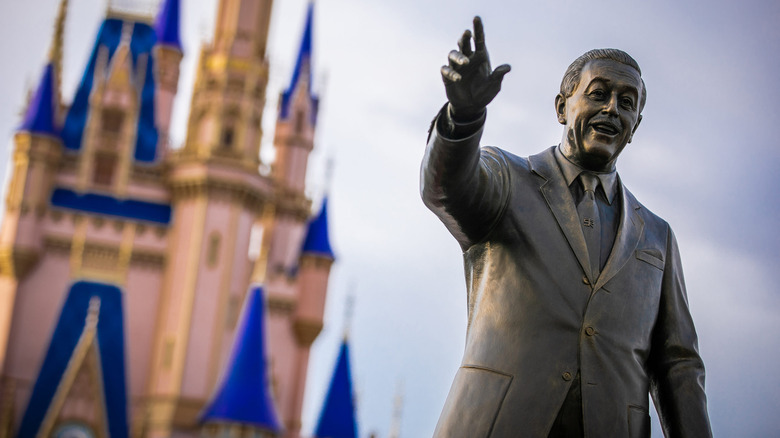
600, 117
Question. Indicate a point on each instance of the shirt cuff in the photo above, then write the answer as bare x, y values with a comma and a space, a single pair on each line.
448, 127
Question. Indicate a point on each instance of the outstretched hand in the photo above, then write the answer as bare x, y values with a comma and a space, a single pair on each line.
468, 79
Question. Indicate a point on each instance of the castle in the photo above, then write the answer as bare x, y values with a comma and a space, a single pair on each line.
131, 300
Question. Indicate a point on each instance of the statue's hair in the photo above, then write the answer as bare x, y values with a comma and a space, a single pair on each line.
572, 76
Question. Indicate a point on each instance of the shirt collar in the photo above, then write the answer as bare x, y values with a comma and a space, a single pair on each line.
571, 171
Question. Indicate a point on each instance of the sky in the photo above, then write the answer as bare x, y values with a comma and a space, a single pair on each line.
703, 158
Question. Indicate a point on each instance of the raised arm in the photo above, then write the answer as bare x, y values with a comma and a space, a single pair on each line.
465, 188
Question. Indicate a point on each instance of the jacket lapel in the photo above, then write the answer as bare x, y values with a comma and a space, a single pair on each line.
629, 232
561, 204
559, 199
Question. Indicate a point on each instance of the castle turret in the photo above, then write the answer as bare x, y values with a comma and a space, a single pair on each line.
297, 118
37, 151
293, 141
313, 273
41, 113
55, 57
168, 54
337, 418
36, 156
218, 194
229, 96
242, 405
316, 258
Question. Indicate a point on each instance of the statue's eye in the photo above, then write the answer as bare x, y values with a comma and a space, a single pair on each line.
598, 94
627, 103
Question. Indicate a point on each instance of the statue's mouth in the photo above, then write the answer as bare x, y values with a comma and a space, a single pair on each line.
605, 128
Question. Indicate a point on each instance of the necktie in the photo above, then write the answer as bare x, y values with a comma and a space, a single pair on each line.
590, 221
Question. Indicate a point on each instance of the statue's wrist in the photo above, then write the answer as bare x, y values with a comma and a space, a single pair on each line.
465, 116
455, 128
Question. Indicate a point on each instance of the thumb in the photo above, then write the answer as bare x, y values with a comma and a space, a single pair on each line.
499, 72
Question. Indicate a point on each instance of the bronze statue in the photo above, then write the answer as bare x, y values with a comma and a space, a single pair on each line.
577, 306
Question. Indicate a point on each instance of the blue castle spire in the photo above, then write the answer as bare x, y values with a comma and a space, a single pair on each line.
244, 395
39, 118
337, 419
167, 24
317, 241
67, 337
302, 69
143, 40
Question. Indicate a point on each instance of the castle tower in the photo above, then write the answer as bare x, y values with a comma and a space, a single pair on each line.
86, 206
293, 141
168, 54
296, 303
227, 102
313, 273
303, 321
297, 118
218, 195
36, 153
337, 418
242, 406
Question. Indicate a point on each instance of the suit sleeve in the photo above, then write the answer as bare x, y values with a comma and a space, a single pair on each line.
465, 186
676, 369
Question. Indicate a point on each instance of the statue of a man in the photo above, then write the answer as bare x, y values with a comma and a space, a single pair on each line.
577, 306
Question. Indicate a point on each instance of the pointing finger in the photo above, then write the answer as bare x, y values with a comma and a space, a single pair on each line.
479, 35
449, 75
457, 58
465, 43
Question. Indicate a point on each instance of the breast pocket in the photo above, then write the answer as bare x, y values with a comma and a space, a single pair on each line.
651, 256
473, 403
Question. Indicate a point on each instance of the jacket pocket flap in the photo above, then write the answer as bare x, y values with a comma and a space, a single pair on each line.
473, 403
638, 422
652, 256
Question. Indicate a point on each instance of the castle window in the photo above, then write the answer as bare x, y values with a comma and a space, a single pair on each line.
103, 171
299, 121
233, 310
227, 137
255, 241
212, 254
112, 120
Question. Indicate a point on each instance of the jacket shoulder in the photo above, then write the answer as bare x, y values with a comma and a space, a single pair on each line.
510, 160
647, 214
656, 227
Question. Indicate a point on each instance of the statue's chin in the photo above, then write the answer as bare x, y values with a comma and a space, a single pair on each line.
589, 155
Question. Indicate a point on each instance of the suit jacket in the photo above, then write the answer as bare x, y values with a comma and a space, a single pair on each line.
535, 317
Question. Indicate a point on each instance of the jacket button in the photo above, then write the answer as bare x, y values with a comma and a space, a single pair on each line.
589, 331
566, 376
585, 280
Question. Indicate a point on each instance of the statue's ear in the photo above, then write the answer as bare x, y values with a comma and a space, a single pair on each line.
560, 108
638, 120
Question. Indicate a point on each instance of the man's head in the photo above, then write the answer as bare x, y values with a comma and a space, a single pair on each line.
600, 103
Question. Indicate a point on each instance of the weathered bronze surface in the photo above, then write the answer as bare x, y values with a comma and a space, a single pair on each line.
568, 331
